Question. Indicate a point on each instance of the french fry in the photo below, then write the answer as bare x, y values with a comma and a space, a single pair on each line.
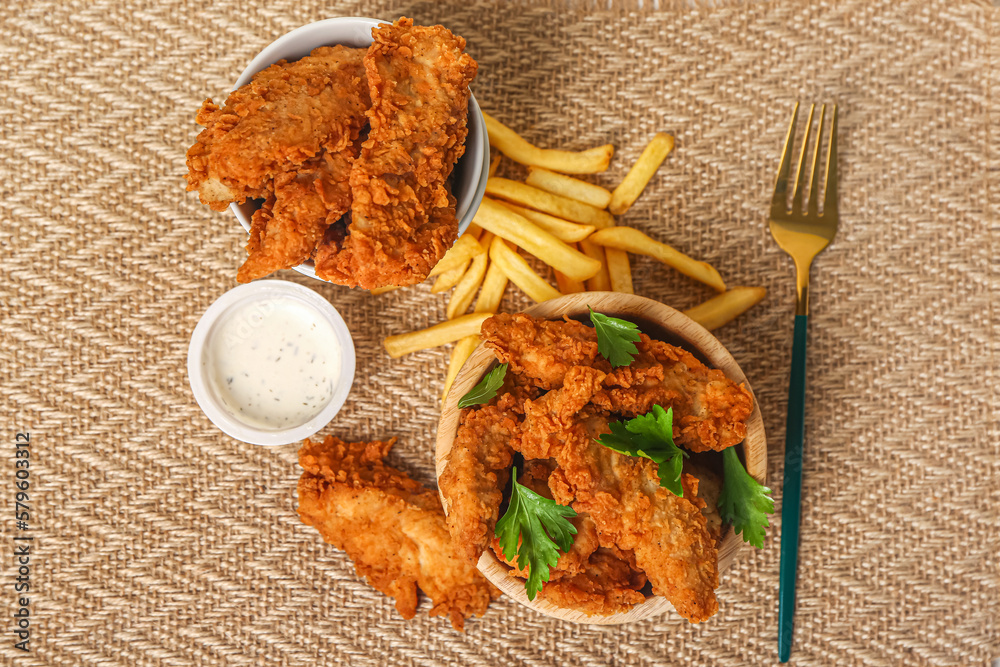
491, 293
561, 207
382, 290
619, 270
520, 273
439, 334
564, 230
634, 241
600, 281
459, 354
450, 278
465, 248
506, 224
569, 286
517, 149
567, 186
494, 163
638, 176
465, 290
486, 240
726, 307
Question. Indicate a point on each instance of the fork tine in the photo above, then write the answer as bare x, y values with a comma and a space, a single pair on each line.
814, 175
780, 200
800, 172
830, 197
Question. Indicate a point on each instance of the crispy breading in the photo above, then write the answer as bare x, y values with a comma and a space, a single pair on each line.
588, 578
604, 585
643, 531
709, 409
287, 114
477, 471
306, 203
585, 541
667, 534
540, 350
390, 526
403, 216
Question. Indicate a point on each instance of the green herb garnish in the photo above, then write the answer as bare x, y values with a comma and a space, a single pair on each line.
544, 528
616, 338
744, 501
651, 436
486, 389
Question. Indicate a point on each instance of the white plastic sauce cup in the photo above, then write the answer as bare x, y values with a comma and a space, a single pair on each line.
262, 299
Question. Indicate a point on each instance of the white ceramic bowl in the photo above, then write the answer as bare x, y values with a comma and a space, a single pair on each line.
243, 310
471, 171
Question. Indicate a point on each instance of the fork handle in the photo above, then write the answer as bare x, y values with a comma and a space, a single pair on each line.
792, 489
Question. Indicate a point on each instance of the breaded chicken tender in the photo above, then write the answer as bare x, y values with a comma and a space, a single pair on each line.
541, 350
474, 479
286, 115
709, 409
285, 231
585, 541
391, 527
402, 214
667, 534
604, 585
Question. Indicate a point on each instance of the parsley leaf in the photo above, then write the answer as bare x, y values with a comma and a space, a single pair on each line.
486, 389
651, 436
542, 524
616, 338
744, 500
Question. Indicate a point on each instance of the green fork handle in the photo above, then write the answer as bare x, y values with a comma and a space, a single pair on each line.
792, 489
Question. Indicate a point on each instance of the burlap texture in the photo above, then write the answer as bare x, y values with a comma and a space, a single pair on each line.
160, 541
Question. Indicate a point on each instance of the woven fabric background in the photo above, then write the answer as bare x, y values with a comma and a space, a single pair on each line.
161, 541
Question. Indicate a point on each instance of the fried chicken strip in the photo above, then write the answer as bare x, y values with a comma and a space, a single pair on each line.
391, 527
474, 478
604, 585
285, 231
585, 541
403, 217
287, 228
587, 578
709, 409
667, 534
541, 350
286, 115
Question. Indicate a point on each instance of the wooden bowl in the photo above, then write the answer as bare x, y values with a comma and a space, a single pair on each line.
659, 322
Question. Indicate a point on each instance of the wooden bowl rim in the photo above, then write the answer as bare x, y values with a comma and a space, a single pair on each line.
695, 338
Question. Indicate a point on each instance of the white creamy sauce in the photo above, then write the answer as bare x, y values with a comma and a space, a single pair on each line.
273, 364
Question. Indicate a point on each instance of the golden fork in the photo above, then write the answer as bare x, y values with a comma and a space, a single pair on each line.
803, 235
